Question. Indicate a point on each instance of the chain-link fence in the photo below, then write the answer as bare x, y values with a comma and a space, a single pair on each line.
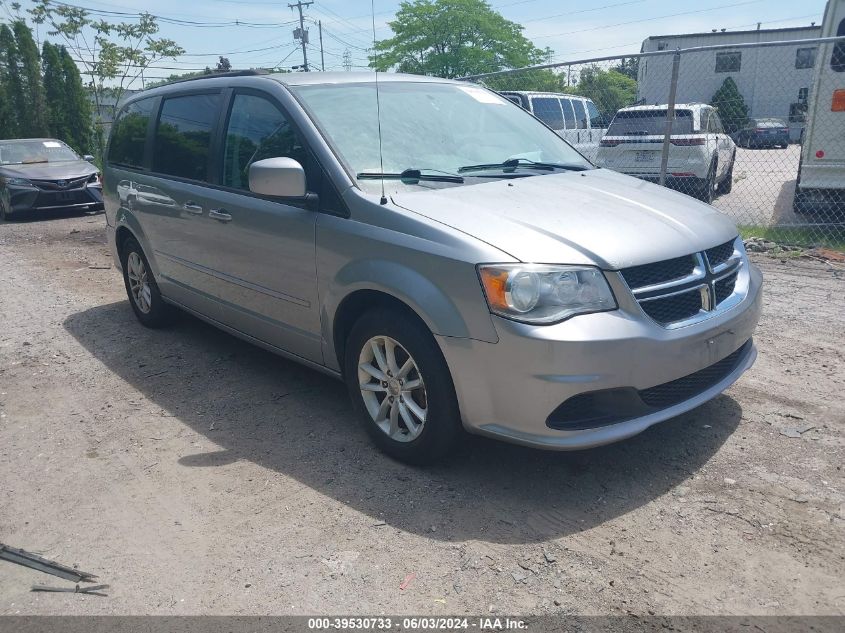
757, 130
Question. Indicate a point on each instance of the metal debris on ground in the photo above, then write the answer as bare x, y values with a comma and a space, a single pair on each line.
33, 561
94, 590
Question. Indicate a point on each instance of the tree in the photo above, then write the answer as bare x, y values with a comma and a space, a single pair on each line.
609, 89
78, 105
115, 53
629, 66
224, 65
33, 104
11, 92
453, 38
54, 91
731, 106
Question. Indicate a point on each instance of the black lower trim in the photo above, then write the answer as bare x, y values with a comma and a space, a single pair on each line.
595, 409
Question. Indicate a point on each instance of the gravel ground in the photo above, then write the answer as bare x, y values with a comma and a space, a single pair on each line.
196, 474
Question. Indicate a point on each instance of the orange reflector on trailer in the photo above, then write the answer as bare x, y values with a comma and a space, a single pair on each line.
838, 104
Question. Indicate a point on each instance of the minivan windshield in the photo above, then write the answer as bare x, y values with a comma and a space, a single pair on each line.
649, 123
35, 151
433, 127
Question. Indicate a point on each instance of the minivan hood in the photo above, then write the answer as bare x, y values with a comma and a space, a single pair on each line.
596, 217
65, 170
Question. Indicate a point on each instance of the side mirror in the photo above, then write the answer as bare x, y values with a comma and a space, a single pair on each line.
88, 157
279, 177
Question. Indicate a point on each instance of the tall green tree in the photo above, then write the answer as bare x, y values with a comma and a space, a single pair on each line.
10, 84
609, 89
729, 102
54, 91
33, 112
453, 38
114, 53
78, 113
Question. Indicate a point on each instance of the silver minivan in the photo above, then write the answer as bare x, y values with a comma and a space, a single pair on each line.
458, 264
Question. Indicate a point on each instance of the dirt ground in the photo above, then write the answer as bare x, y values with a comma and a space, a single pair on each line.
764, 187
196, 474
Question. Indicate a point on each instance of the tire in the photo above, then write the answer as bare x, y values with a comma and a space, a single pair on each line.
727, 183
5, 212
707, 187
141, 287
401, 431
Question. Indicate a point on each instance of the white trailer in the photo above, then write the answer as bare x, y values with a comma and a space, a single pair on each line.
820, 189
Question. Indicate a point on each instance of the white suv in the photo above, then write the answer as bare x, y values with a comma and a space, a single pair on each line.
701, 154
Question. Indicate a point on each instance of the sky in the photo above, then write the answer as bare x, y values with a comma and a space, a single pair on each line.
259, 33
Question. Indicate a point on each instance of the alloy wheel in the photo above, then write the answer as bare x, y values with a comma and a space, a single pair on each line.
392, 389
139, 284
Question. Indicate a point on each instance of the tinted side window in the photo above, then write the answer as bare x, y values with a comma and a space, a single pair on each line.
580, 114
183, 136
593, 114
257, 130
547, 109
837, 60
129, 134
568, 113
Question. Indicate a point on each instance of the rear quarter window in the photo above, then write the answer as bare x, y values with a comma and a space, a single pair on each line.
129, 134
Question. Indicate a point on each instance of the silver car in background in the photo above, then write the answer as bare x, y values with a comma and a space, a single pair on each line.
455, 262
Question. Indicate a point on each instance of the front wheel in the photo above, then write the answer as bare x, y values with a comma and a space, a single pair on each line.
401, 387
5, 211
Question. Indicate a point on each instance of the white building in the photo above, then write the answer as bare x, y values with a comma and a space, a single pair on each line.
774, 81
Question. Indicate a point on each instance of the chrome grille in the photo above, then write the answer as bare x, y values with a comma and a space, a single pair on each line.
718, 255
659, 272
60, 185
676, 291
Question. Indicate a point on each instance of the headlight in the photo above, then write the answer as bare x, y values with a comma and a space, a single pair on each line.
18, 181
540, 293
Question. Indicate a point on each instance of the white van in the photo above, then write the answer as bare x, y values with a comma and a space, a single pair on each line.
820, 189
576, 119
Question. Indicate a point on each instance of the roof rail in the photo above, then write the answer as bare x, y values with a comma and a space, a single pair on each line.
214, 75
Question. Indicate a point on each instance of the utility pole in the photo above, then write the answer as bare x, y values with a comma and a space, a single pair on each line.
322, 58
303, 34
347, 60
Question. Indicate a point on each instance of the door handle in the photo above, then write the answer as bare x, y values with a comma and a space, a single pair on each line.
192, 207
220, 215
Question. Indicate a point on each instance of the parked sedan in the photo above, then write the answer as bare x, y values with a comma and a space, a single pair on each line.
38, 174
763, 133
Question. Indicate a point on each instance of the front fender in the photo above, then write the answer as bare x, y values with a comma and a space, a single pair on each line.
441, 313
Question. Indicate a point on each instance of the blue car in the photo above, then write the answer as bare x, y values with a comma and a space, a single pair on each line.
763, 133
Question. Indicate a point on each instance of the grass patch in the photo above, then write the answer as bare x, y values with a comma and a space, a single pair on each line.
827, 236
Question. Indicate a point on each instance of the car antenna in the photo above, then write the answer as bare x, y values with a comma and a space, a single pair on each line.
378, 104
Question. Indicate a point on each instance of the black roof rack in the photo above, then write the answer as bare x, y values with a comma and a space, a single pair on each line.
214, 75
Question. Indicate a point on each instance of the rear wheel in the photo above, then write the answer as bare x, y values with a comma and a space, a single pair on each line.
707, 188
727, 183
141, 287
401, 387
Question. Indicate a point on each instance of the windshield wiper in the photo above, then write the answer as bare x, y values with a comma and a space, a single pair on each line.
412, 176
512, 163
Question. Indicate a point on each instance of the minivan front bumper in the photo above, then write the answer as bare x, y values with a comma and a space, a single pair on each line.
510, 389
